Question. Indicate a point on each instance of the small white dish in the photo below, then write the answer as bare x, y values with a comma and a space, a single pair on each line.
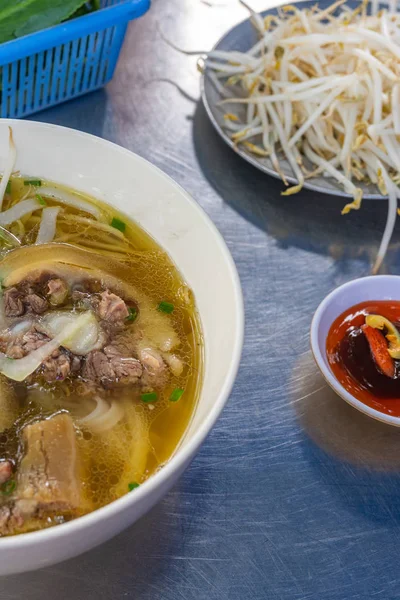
377, 287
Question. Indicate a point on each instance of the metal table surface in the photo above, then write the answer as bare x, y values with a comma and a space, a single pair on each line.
294, 495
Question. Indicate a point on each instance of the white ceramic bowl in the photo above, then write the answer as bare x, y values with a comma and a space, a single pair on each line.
180, 226
377, 287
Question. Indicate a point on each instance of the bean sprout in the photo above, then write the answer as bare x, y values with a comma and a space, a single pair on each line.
323, 87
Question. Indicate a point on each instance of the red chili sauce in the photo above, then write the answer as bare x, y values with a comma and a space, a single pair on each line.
353, 363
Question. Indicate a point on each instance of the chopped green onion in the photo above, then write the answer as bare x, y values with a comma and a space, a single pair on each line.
176, 394
166, 307
133, 313
8, 187
133, 485
118, 224
35, 182
149, 397
42, 201
8, 487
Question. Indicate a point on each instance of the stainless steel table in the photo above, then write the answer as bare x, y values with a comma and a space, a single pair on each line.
294, 496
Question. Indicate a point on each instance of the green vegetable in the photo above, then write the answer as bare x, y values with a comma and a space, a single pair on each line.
35, 182
118, 224
149, 397
8, 187
86, 9
166, 307
133, 485
176, 394
41, 200
133, 313
20, 17
8, 487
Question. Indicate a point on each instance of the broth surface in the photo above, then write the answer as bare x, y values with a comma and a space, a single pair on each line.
114, 256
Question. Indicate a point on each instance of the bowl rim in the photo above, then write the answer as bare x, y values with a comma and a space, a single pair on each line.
182, 455
319, 353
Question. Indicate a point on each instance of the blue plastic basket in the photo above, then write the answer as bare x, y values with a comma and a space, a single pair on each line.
65, 61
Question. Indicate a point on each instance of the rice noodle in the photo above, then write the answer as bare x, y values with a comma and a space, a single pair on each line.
48, 225
19, 210
71, 200
324, 84
96, 224
9, 166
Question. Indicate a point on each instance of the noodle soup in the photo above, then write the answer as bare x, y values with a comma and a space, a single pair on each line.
100, 356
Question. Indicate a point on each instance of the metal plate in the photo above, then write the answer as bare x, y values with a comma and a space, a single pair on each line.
241, 38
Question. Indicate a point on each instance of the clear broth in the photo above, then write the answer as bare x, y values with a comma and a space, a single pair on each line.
149, 434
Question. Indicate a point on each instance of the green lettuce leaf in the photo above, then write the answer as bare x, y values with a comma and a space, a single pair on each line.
20, 17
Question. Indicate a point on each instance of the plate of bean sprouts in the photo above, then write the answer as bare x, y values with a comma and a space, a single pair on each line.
310, 93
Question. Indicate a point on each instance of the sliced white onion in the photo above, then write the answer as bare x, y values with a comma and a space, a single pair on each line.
19, 210
110, 419
100, 410
104, 417
21, 327
71, 200
9, 166
82, 342
20, 368
47, 229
